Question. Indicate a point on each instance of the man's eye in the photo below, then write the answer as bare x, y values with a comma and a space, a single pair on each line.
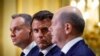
17, 29
35, 30
44, 29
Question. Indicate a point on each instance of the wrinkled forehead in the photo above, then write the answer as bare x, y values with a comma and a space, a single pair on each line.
17, 22
39, 24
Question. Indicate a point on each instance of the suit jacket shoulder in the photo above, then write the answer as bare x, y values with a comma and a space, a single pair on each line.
80, 49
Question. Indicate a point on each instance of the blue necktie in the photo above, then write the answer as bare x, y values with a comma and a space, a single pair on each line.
22, 54
62, 54
41, 54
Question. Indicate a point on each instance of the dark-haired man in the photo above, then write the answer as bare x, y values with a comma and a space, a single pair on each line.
40, 25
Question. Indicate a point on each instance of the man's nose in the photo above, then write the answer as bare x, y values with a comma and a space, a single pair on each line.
40, 34
12, 34
50, 29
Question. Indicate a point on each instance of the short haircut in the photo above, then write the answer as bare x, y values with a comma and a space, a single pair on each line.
41, 15
26, 17
77, 21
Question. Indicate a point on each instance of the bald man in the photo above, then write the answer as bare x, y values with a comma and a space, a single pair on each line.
66, 29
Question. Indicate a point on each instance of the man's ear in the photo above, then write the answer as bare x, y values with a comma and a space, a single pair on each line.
68, 28
30, 31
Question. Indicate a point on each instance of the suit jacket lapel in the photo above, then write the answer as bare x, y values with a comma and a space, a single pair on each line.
34, 51
54, 51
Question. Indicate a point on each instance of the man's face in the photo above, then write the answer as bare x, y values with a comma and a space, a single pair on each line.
19, 32
41, 33
57, 31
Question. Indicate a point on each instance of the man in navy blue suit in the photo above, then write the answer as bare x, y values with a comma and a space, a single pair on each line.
21, 34
40, 25
66, 30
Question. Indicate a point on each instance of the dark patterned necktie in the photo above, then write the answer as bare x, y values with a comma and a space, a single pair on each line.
62, 54
22, 54
41, 54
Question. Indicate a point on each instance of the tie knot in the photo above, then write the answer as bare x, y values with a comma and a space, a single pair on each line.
62, 54
22, 54
41, 54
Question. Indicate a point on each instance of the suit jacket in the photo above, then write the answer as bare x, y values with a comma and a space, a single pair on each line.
80, 49
34, 51
54, 51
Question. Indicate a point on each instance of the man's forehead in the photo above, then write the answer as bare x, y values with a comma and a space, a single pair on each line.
41, 23
19, 19
55, 17
15, 23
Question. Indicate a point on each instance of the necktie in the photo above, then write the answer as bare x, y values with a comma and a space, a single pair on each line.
41, 54
62, 54
22, 54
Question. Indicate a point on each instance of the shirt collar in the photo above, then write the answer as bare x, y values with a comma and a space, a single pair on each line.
45, 51
68, 45
28, 48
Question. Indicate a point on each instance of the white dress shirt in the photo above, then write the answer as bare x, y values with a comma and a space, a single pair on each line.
68, 45
45, 51
28, 48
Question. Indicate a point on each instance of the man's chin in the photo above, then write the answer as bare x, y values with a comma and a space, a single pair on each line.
15, 43
42, 47
53, 41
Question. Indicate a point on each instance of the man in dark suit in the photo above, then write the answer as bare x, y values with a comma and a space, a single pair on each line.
20, 34
40, 25
66, 30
